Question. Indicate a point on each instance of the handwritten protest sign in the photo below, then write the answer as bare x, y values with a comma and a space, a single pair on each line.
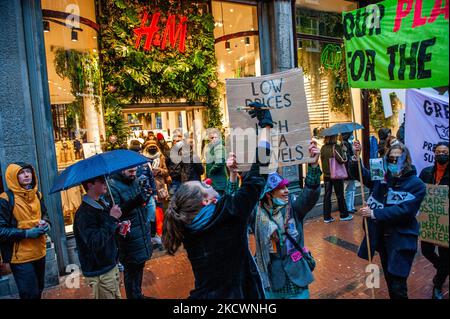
398, 44
284, 93
433, 217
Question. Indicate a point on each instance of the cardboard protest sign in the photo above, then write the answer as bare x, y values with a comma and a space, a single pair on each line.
426, 124
433, 216
397, 44
284, 93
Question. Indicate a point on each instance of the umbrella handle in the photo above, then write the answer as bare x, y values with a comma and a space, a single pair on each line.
109, 190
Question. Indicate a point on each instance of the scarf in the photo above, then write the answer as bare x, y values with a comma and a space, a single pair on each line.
264, 228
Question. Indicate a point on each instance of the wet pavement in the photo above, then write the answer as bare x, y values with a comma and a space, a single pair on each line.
339, 274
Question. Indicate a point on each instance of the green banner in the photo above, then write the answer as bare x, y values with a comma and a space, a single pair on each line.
398, 44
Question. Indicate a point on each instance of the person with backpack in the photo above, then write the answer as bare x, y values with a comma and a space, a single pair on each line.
23, 226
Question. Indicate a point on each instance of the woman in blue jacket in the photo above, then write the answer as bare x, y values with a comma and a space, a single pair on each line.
391, 211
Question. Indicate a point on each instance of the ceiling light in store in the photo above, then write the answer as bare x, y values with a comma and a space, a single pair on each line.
231, 51
94, 37
241, 58
93, 50
231, 10
46, 26
74, 36
227, 45
252, 29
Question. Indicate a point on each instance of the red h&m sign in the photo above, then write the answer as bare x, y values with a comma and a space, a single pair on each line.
173, 32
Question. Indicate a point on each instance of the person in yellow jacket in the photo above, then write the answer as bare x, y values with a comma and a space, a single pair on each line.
23, 225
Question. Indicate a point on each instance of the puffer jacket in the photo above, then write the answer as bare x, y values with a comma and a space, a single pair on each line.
135, 247
28, 210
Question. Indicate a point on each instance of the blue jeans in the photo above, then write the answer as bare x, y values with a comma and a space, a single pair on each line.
30, 278
350, 191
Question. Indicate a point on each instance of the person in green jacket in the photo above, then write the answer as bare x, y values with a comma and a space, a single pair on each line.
215, 162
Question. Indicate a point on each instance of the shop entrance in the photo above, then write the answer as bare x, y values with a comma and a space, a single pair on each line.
165, 118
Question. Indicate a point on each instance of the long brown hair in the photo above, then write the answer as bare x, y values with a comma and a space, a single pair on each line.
183, 207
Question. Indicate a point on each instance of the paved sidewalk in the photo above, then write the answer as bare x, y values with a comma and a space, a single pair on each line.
339, 274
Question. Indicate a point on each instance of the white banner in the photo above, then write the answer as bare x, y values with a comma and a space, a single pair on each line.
284, 93
427, 116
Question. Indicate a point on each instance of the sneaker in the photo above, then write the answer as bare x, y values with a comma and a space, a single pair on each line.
329, 220
437, 293
344, 219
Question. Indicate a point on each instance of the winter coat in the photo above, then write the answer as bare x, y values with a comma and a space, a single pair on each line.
395, 205
135, 247
159, 168
215, 165
221, 261
28, 210
191, 167
326, 153
428, 175
174, 167
95, 231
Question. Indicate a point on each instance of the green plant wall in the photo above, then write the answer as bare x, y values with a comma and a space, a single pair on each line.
131, 75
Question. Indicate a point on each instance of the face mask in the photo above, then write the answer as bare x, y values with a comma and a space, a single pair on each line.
278, 202
442, 159
393, 168
153, 151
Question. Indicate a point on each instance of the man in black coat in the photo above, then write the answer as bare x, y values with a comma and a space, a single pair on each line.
135, 247
94, 228
438, 174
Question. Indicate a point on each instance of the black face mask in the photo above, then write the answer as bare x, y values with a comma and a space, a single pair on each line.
442, 159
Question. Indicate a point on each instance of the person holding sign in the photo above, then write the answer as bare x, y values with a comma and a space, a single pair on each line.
213, 228
438, 174
284, 262
391, 210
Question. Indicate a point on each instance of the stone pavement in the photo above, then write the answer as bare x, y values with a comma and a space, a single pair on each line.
339, 274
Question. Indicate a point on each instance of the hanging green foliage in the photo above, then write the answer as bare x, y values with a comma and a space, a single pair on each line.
376, 112
131, 74
338, 88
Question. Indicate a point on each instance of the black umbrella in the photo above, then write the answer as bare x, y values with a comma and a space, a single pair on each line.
341, 128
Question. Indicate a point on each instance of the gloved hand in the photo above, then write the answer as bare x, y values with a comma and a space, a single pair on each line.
35, 232
264, 117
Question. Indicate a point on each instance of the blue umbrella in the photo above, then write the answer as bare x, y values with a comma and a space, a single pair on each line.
341, 128
98, 165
